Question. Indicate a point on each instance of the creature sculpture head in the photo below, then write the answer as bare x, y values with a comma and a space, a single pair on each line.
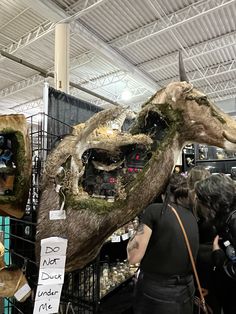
15, 165
176, 115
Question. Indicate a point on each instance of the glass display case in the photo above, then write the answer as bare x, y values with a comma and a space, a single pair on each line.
216, 160
205, 152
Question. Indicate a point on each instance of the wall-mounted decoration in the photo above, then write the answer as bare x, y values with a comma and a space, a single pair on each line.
15, 165
13, 281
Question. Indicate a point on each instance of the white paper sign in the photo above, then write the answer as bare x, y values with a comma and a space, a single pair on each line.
48, 292
21, 293
48, 306
52, 262
125, 236
49, 276
115, 238
57, 214
53, 246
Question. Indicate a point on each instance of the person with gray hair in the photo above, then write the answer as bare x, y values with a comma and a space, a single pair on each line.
207, 234
218, 194
194, 175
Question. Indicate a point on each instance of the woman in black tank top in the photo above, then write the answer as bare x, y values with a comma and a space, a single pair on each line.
165, 283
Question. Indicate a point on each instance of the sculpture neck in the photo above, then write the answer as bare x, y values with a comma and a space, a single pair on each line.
152, 181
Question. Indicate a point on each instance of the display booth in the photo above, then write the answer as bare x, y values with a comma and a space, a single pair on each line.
82, 288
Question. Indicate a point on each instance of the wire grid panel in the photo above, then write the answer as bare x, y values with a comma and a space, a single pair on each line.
45, 131
81, 291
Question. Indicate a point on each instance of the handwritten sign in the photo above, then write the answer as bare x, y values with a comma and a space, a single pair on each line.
51, 276
48, 291
52, 261
48, 306
53, 246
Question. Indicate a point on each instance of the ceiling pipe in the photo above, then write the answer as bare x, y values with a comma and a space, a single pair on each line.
45, 73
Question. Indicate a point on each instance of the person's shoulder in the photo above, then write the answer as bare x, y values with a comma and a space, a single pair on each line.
151, 214
154, 207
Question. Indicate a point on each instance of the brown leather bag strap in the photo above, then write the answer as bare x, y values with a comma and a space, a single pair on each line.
191, 258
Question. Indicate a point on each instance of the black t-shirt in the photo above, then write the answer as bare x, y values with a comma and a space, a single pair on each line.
167, 253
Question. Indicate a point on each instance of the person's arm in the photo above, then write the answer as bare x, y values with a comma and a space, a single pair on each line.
138, 243
218, 255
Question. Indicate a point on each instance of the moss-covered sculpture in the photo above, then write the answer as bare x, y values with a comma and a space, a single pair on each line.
15, 165
176, 115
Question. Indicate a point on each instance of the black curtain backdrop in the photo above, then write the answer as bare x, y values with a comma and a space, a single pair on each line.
70, 111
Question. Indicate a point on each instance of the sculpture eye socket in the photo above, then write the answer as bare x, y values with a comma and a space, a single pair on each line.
203, 98
199, 99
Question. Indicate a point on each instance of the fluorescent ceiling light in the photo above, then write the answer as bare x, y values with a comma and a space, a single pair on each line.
126, 94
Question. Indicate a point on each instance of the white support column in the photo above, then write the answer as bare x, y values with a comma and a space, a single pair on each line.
62, 37
45, 97
45, 120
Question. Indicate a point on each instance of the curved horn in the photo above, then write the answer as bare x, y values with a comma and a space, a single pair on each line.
182, 73
229, 137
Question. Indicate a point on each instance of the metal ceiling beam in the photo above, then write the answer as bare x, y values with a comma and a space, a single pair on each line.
34, 104
13, 19
102, 48
194, 77
13, 73
137, 93
54, 15
220, 87
81, 60
196, 51
46, 74
91, 84
29, 38
20, 86
81, 5
226, 97
93, 41
170, 22
103, 80
207, 73
176, 35
38, 79
211, 72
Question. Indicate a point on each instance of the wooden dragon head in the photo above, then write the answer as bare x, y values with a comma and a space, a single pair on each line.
176, 115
